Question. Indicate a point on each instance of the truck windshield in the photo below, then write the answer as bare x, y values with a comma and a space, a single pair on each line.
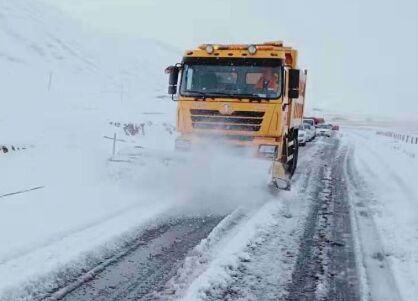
236, 81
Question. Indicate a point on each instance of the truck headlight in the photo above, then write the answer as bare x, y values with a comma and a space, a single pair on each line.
268, 150
210, 49
252, 49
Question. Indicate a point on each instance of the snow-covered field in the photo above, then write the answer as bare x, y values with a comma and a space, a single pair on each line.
61, 88
384, 196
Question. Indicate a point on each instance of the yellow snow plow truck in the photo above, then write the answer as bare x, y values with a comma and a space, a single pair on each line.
249, 95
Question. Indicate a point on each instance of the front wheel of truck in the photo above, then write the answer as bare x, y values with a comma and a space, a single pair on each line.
291, 152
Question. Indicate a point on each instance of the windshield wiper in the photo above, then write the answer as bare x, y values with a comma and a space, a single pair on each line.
232, 95
201, 94
219, 94
247, 95
214, 93
208, 94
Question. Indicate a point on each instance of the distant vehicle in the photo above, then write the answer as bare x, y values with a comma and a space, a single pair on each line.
309, 121
311, 132
317, 120
324, 130
310, 128
335, 127
302, 136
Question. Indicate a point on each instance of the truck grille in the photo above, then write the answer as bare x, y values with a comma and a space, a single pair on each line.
237, 121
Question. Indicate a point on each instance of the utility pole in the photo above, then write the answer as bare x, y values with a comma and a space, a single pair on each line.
51, 74
114, 140
122, 93
114, 145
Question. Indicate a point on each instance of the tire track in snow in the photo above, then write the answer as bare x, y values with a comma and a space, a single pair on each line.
248, 272
265, 265
198, 260
144, 265
325, 267
380, 282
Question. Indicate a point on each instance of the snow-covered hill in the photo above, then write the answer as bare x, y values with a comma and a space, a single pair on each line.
60, 88
50, 65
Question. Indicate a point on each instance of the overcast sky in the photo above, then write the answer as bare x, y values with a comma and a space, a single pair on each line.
361, 54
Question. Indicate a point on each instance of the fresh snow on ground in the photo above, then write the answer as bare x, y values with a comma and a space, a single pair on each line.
251, 253
386, 197
62, 87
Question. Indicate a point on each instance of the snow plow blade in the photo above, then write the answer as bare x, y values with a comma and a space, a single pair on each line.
279, 184
279, 177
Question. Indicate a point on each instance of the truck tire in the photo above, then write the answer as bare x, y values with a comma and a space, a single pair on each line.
295, 155
291, 152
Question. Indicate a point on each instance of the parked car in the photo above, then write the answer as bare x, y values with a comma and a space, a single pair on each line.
311, 132
309, 121
324, 130
309, 126
302, 136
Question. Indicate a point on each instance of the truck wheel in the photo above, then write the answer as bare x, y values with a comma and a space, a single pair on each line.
291, 152
294, 162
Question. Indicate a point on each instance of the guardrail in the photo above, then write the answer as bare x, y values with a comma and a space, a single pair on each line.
410, 139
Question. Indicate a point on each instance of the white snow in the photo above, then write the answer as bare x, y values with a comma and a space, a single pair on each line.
390, 206
61, 88
263, 236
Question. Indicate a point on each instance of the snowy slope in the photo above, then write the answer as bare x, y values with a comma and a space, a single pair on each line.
37, 42
48, 62
61, 87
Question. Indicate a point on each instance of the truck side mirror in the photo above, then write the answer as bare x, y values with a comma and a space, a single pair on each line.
294, 79
173, 71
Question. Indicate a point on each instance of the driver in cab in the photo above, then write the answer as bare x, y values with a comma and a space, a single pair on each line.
267, 81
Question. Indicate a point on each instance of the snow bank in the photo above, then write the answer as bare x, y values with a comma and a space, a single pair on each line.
388, 173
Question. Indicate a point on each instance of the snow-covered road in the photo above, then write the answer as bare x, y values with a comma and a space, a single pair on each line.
295, 246
346, 231
382, 175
